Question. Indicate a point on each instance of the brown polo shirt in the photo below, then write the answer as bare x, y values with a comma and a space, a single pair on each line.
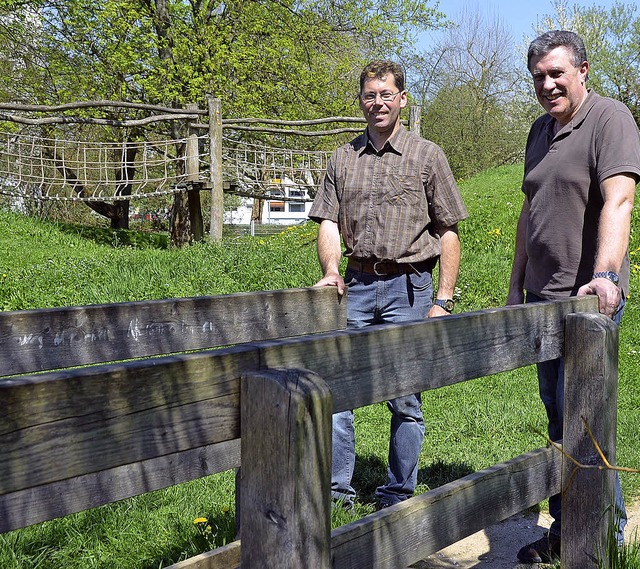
562, 178
388, 202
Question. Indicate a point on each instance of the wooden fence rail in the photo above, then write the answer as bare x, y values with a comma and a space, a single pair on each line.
77, 438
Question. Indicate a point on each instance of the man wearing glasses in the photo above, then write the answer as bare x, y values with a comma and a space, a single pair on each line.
391, 198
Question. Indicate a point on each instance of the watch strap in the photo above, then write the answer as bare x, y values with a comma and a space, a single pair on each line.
609, 275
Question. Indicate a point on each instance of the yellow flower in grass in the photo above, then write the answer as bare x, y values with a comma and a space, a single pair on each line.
200, 521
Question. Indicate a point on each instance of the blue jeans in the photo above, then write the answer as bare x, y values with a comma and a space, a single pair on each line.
375, 300
551, 386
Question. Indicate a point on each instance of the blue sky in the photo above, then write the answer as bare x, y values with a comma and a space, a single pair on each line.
517, 15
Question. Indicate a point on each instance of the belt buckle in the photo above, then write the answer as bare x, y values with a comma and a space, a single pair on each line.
375, 268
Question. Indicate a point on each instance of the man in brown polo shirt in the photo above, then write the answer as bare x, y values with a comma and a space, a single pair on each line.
391, 198
582, 164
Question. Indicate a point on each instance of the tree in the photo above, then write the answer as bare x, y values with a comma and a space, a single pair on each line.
265, 58
466, 85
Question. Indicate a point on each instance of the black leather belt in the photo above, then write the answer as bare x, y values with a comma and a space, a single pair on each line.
385, 268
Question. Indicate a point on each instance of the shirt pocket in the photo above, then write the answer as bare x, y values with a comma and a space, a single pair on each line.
403, 190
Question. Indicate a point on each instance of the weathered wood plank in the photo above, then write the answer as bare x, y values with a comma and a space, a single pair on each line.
590, 392
40, 503
381, 362
36, 340
410, 531
59, 425
285, 479
435, 519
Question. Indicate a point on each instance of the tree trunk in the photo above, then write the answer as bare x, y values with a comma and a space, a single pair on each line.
180, 225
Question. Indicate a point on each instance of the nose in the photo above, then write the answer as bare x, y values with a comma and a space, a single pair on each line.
548, 84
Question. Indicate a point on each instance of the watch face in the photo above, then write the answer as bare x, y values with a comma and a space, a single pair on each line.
613, 277
446, 304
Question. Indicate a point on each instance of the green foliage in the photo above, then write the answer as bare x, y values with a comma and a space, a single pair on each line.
474, 131
76, 265
263, 59
467, 87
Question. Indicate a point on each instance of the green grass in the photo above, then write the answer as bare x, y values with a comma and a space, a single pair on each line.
468, 426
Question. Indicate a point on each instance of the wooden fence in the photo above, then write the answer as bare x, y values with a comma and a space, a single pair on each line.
77, 438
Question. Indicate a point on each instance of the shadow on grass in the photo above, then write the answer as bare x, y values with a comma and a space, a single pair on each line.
137, 239
440, 472
371, 472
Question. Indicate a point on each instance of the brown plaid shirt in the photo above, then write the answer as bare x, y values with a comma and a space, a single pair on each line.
388, 203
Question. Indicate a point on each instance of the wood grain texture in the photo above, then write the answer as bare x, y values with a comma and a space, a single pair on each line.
285, 479
410, 531
36, 340
103, 420
591, 379
377, 363
56, 499
64, 424
226, 557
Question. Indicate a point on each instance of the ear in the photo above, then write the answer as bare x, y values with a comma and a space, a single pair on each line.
403, 99
584, 71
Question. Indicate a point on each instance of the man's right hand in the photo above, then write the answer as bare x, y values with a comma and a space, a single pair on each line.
515, 297
332, 279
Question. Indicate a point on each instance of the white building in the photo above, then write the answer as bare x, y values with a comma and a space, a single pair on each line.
287, 204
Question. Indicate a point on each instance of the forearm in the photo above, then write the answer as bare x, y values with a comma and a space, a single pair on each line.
329, 247
614, 228
449, 261
613, 236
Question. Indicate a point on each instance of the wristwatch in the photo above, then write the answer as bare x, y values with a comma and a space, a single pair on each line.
447, 304
609, 275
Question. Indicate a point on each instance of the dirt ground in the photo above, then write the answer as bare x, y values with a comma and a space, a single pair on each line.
496, 546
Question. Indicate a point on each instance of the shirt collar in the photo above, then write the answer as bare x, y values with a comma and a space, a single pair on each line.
578, 119
396, 143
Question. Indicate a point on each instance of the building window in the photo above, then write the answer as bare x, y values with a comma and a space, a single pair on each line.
296, 208
276, 206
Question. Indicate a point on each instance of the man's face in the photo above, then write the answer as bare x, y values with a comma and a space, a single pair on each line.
383, 117
559, 85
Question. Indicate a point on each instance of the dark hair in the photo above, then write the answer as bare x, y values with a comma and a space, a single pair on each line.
379, 69
558, 38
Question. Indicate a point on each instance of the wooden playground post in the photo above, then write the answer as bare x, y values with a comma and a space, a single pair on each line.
590, 399
215, 142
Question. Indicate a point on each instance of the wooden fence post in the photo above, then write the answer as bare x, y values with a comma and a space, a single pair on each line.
591, 388
286, 470
217, 192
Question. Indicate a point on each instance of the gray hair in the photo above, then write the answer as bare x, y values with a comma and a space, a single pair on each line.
548, 41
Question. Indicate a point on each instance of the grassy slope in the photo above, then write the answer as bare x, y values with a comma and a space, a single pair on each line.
469, 426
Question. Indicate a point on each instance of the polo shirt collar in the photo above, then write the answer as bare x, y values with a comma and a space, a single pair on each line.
582, 113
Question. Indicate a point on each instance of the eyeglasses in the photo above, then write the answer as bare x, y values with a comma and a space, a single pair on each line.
369, 98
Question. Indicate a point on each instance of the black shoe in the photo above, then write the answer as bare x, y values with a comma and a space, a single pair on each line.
545, 550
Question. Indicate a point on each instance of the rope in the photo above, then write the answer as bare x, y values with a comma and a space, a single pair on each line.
33, 167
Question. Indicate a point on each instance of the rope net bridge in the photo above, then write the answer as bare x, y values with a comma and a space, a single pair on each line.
33, 167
